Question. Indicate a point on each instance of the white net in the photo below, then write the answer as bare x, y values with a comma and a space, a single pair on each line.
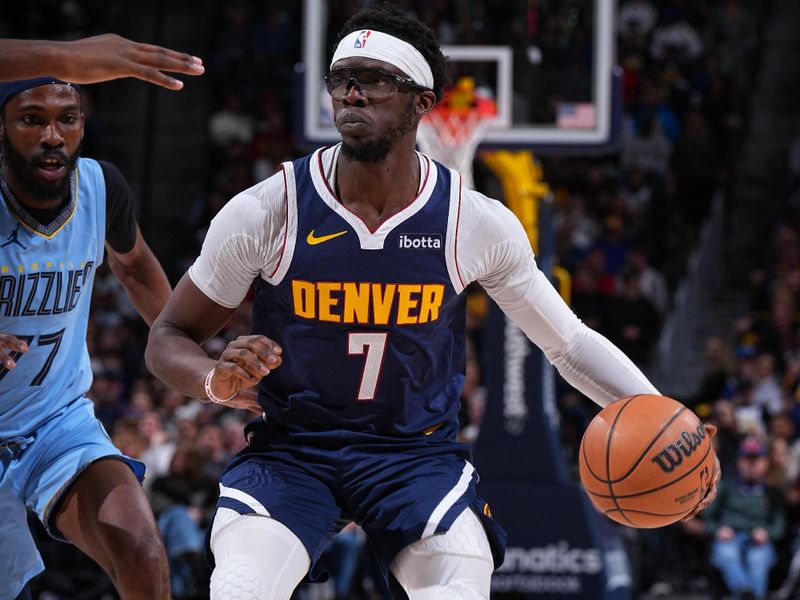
451, 137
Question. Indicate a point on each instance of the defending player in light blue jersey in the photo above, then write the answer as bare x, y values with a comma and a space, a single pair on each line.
58, 215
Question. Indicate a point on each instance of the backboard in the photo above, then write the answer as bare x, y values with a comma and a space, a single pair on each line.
548, 66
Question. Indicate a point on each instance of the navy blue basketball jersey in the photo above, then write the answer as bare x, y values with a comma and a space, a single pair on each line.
371, 323
46, 277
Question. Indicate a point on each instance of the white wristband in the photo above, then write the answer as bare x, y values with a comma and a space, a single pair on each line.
210, 394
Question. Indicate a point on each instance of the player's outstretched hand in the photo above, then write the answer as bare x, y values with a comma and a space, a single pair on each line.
110, 56
245, 362
9, 344
711, 493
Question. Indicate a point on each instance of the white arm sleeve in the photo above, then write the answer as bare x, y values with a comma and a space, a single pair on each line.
244, 240
495, 251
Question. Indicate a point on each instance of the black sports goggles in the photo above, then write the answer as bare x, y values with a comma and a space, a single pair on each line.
374, 84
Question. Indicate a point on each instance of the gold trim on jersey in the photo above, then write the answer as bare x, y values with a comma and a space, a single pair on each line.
31, 224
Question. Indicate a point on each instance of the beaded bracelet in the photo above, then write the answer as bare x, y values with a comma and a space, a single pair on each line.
211, 396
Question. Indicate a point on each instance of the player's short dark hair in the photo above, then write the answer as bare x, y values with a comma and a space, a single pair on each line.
388, 18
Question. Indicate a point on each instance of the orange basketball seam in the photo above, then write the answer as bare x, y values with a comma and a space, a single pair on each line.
608, 457
589, 466
643, 430
586, 462
652, 443
638, 460
644, 512
655, 489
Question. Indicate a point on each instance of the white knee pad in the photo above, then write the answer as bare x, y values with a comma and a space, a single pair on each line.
456, 565
257, 558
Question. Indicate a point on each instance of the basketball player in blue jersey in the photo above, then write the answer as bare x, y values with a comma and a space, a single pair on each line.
58, 215
361, 254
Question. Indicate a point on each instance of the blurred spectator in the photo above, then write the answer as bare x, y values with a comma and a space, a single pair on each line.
577, 227
343, 554
634, 323
731, 34
645, 147
589, 303
233, 428
613, 243
651, 281
746, 521
716, 381
211, 444
638, 193
781, 427
779, 458
676, 39
473, 399
636, 17
726, 442
749, 416
159, 449
106, 393
767, 393
696, 165
183, 501
231, 124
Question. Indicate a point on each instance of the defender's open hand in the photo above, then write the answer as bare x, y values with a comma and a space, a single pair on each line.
110, 56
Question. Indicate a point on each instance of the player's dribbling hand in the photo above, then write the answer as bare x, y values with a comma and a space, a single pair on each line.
245, 362
711, 493
8, 344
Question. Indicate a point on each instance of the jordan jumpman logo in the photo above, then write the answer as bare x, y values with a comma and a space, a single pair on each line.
13, 238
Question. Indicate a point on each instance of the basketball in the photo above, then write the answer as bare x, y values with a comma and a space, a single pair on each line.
646, 461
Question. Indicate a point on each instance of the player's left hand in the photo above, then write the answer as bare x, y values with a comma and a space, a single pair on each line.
245, 400
711, 493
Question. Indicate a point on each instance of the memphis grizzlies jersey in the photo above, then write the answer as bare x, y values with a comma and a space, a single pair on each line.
46, 277
371, 323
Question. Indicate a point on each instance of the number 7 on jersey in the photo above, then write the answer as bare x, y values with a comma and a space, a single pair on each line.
373, 345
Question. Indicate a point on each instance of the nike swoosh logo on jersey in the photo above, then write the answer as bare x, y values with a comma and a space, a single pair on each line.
313, 240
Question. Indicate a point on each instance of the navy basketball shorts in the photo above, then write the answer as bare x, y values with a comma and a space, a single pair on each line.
399, 490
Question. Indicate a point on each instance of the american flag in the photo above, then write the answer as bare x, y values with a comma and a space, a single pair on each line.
575, 115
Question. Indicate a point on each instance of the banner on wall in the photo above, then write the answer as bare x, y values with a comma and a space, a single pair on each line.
558, 545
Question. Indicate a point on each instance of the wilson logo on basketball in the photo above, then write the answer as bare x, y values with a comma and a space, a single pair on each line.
672, 456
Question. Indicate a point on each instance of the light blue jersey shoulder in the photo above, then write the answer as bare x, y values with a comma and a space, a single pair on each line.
46, 276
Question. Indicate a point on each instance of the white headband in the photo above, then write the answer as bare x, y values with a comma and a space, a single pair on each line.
382, 46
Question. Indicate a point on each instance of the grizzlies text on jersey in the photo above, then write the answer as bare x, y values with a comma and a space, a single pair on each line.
46, 277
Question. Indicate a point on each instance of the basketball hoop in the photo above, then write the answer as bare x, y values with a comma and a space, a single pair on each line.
451, 132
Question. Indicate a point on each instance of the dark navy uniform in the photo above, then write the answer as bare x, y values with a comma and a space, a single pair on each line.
361, 417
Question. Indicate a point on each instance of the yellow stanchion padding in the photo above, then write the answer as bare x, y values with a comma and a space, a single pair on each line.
564, 280
523, 188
